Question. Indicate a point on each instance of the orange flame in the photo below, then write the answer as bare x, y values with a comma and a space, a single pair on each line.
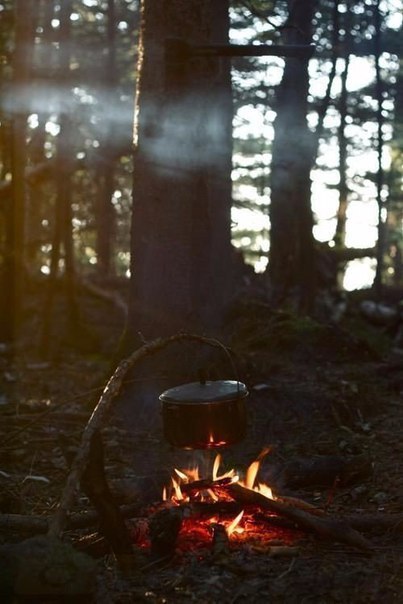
190, 475
233, 527
251, 474
216, 466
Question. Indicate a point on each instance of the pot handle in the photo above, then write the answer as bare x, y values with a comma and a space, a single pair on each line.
227, 352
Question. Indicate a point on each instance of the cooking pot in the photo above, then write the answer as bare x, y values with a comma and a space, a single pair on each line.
204, 415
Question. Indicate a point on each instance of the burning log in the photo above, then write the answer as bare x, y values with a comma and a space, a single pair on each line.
164, 528
203, 509
326, 527
220, 542
205, 484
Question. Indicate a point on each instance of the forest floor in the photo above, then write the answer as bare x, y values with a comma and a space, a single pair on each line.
326, 400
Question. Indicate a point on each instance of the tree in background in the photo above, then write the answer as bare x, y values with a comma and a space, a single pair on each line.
98, 104
181, 252
14, 214
395, 183
291, 259
68, 119
340, 30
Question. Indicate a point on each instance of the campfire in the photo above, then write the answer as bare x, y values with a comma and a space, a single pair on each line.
198, 512
223, 507
221, 510
225, 511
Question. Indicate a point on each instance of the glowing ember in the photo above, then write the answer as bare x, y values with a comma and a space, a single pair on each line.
206, 503
196, 496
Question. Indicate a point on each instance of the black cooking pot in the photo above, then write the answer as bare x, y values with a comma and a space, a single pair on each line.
204, 415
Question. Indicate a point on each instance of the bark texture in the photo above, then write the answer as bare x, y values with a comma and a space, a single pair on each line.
181, 199
291, 262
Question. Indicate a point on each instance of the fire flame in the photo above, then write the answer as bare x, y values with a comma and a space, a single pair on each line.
177, 494
251, 475
233, 526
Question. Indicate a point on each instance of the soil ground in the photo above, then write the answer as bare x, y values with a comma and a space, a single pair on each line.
326, 399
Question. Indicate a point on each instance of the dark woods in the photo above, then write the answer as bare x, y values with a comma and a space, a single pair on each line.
210, 191
72, 182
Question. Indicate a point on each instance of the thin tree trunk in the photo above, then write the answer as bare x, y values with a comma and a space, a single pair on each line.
291, 267
105, 213
65, 197
382, 207
328, 94
105, 217
44, 71
52, 281
395, 201
16, 231
63, 235
340, 234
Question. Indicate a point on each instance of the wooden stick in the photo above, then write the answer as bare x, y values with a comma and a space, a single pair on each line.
300, 504
204, 484
326, 527
164, 527
99, 415
203, 509
220, 546
95, 486
40, 524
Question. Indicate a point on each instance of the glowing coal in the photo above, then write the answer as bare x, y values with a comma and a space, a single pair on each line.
208, 509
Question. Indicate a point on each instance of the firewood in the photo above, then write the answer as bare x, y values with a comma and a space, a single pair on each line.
164, 528
329, 528
220, 542
300, 504
203, 509
204, 484
40, 524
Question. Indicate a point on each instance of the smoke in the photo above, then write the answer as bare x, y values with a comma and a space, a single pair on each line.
50, 99
186, 135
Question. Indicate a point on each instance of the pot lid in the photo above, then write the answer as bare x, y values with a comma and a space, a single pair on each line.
199, 392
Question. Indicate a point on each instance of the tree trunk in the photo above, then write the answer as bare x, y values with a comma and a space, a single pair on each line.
395, 198
382, 207
105, 213
340, 234
291, 267
181, 250
63, 234
13, 268
324, 106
